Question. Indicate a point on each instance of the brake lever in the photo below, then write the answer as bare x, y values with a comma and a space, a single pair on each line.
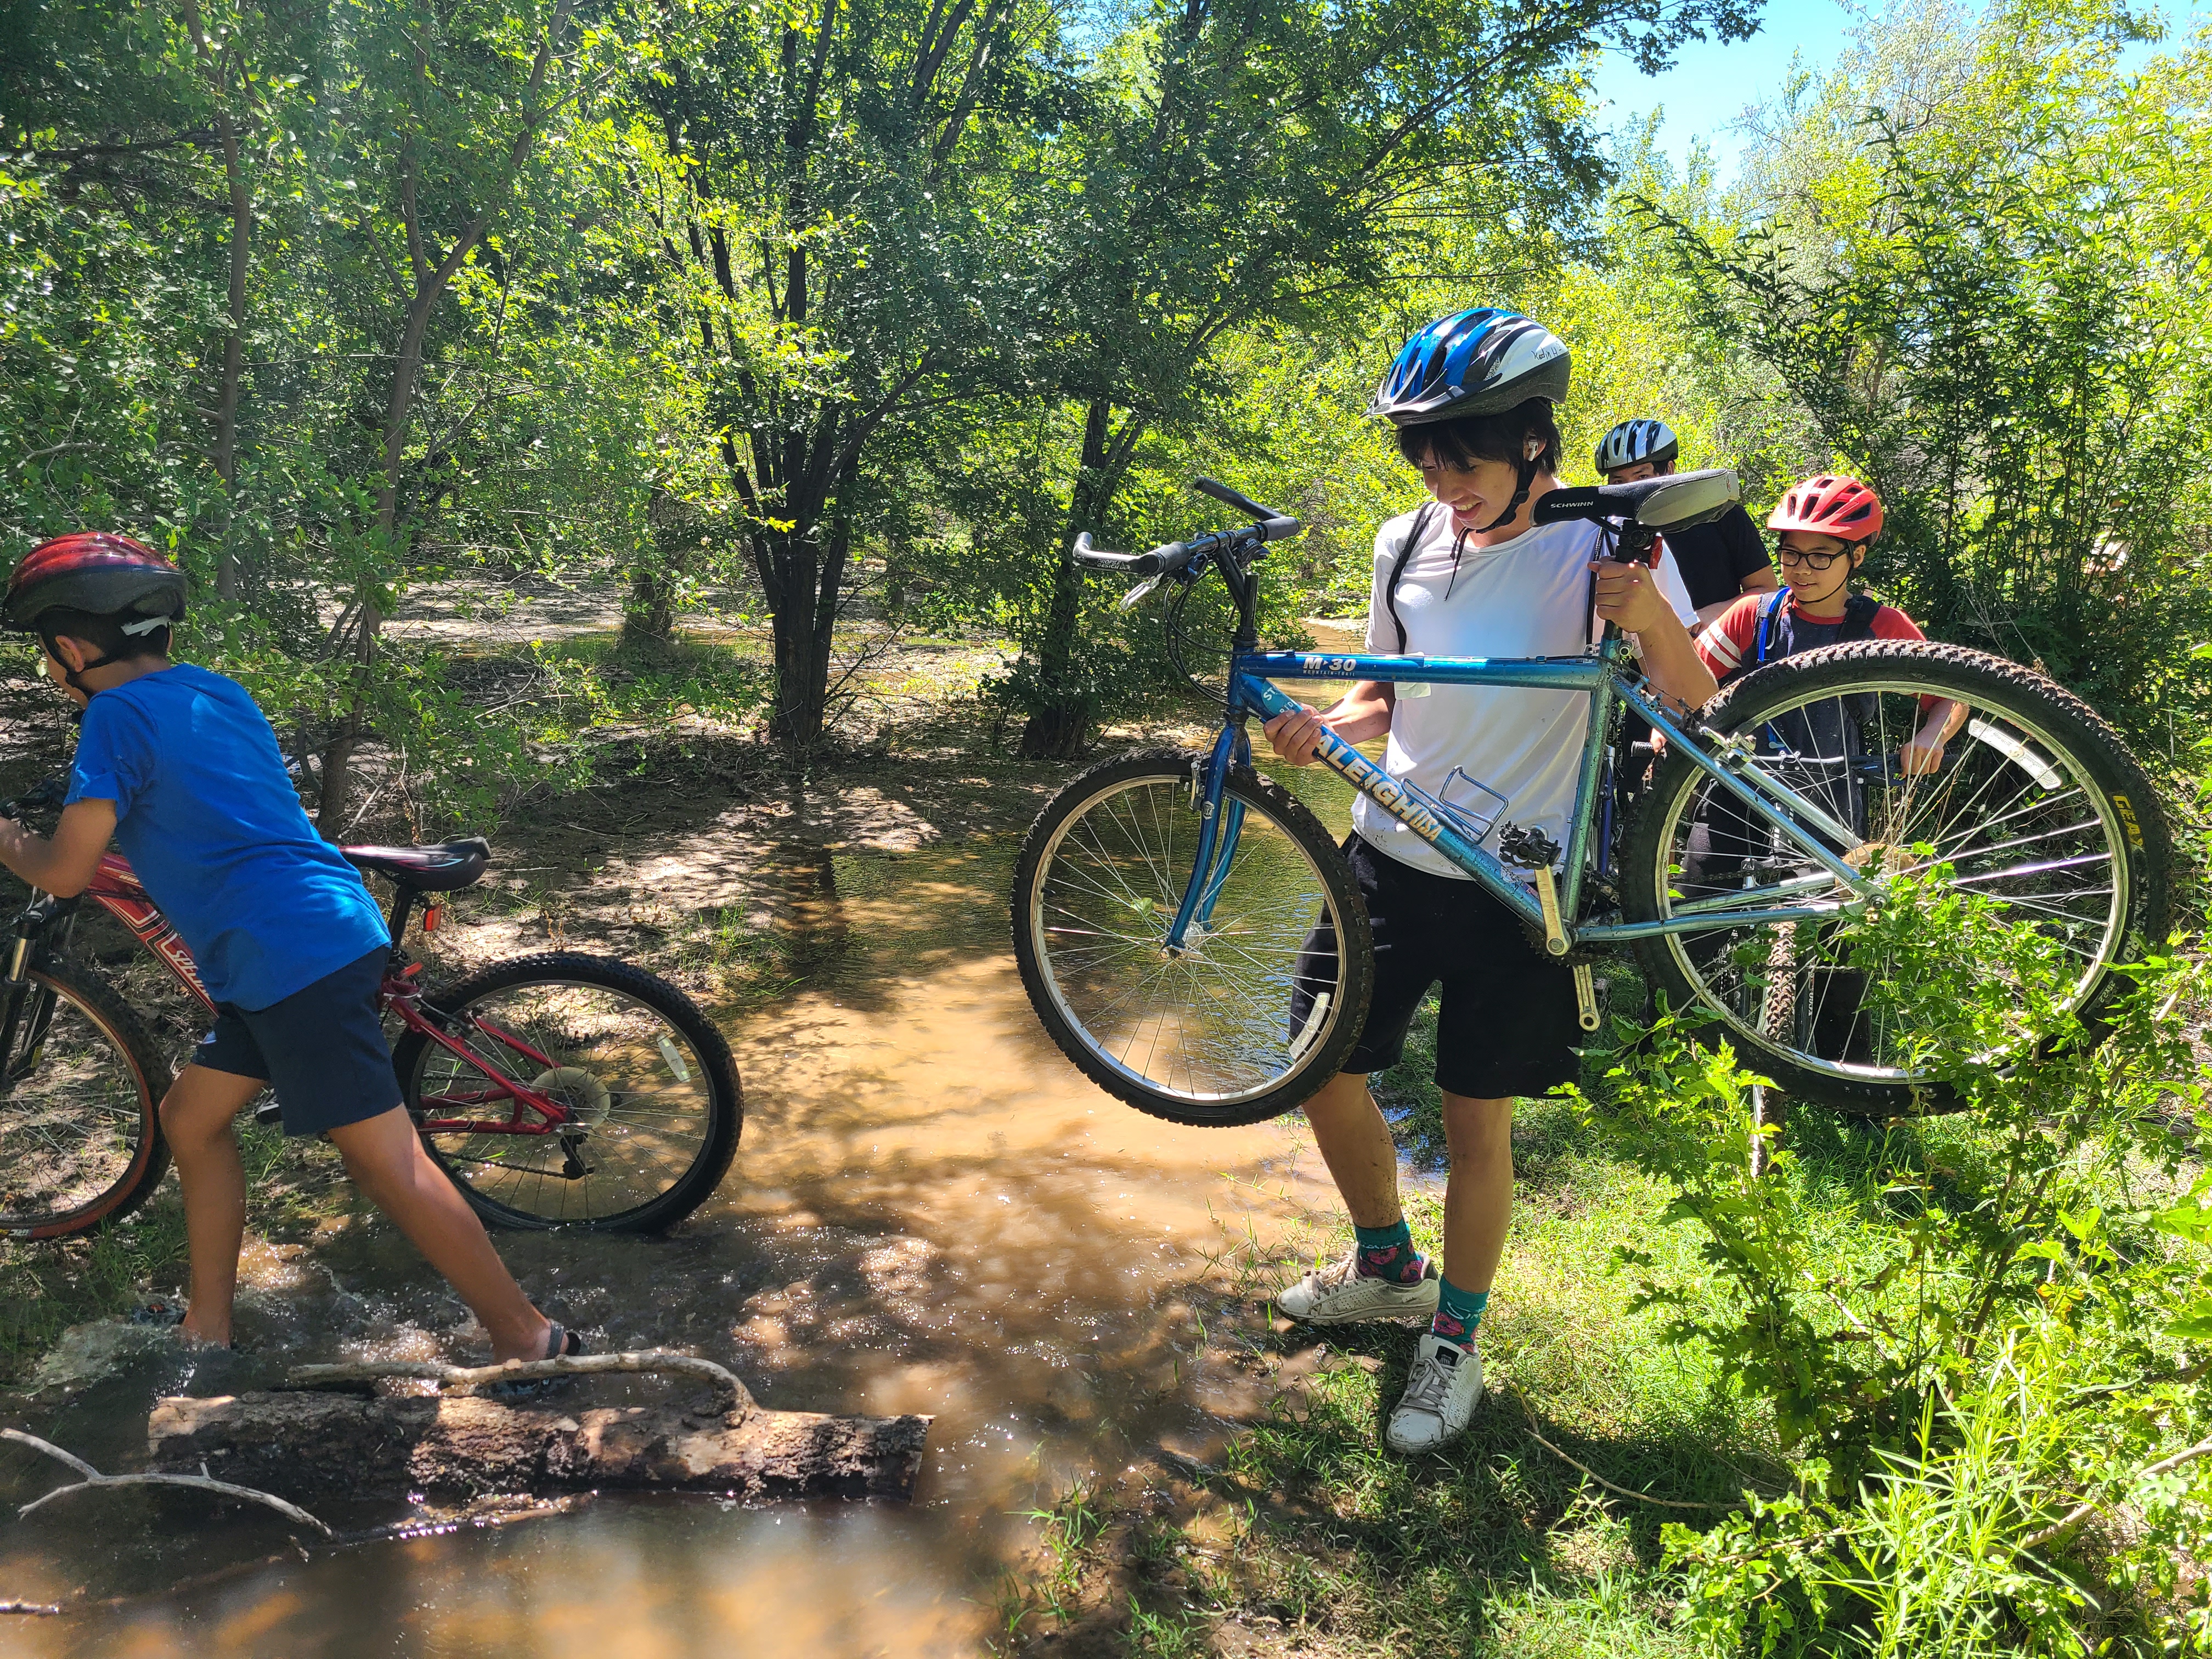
1136, 595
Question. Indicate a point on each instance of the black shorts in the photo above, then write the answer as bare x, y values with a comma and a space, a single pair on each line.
322, 1048
1506, 1024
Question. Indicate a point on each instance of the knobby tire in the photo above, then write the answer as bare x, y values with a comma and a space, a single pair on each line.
148, 1075
2090, 750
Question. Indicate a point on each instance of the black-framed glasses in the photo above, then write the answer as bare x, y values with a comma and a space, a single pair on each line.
1810, 561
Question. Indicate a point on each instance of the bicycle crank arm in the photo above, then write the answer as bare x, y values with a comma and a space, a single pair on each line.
1547, 900
1585, 997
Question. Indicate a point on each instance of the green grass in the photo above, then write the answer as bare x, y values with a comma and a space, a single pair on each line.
1310, 1537
601, 680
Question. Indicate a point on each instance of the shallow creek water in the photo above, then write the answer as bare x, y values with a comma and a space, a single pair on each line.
931, 1212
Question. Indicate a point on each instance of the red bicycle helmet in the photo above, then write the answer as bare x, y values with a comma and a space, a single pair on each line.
98, 572
1832, 504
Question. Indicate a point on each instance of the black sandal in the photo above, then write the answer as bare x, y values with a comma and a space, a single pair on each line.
169, 1316
561, 1343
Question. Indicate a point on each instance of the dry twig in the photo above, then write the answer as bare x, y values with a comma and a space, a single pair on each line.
1640, 1497
199, 1482
2087, 1507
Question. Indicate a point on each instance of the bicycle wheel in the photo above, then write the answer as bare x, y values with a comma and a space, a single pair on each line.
80, 1134
1258, 1010
655, 1094
2036, 806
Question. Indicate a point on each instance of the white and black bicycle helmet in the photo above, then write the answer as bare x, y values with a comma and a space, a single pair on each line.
1637, 441
1483, 361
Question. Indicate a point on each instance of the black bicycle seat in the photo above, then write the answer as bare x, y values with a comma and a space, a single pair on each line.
1674, 502
445, 867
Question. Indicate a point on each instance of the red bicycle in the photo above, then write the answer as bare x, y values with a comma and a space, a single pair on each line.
556, 1090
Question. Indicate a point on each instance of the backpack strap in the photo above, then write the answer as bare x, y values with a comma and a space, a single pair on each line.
1768, 610
1414, 536
1859, 612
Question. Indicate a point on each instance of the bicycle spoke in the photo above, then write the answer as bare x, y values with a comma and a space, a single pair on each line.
637, 1125
1213, 1022
2003, 816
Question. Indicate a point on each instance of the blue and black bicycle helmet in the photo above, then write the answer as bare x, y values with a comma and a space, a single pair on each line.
1637, 441
1484, 361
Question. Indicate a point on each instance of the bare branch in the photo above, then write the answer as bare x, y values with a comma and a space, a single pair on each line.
199, 1482
519, 1370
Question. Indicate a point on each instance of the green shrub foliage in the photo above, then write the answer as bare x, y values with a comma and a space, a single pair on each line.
1980, 1337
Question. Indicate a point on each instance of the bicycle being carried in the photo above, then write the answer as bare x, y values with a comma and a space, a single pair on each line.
1168, 905
556, 1090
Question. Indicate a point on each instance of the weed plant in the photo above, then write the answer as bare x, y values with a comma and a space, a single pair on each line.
1979, 1340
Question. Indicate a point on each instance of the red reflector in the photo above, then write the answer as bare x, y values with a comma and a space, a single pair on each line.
431, 918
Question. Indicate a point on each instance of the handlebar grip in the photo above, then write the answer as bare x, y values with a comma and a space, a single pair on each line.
1280, 528
1221, 492
1173, 556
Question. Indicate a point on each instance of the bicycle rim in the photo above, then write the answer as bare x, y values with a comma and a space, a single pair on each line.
2015, 811
638, 1090
1219, 1023
76, 1121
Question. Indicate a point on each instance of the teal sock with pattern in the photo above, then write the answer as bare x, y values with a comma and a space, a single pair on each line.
1458, 1312
1389, 1253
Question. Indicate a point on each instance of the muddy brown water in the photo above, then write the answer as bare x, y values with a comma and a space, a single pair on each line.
931, 1211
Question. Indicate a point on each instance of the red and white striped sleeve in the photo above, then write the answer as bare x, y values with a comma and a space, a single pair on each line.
1729, 637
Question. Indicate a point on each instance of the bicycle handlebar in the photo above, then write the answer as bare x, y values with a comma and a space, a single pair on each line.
1221, 492
1267, 525
47, 791
1173, 556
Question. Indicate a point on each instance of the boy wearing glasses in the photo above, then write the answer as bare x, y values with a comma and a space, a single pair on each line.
1826, 525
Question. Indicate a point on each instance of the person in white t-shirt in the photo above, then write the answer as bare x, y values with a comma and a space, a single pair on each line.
1468, 575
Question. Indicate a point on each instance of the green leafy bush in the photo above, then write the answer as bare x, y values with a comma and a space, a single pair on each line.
1981, 1341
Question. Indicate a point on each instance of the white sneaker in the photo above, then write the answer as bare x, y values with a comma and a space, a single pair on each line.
1441, 1395
1337, 1295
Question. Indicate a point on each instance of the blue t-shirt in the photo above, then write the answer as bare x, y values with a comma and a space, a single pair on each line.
206, 814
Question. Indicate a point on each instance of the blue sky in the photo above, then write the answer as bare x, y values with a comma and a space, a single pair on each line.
1710, 84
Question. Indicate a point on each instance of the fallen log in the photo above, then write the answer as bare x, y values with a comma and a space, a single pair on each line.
308, 1445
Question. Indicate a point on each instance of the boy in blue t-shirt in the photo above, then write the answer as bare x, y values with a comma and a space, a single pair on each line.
180, 769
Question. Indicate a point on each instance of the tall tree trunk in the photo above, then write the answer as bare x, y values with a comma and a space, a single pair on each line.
1058, 729
234, 340
430, 284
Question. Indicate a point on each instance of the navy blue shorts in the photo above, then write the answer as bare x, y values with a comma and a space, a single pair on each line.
322, 1048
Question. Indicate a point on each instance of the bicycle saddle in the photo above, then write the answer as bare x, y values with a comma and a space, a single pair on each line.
445, 867
1674, 502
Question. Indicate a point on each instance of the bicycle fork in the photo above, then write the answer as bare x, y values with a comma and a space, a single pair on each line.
19, 989
1222, 825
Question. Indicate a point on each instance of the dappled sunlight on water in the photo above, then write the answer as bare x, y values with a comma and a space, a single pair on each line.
931, 1211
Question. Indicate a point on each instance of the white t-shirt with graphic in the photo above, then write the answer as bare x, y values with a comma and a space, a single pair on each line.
1526, 597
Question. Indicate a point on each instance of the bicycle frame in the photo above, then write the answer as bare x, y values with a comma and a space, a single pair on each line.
1599, 675
116, 889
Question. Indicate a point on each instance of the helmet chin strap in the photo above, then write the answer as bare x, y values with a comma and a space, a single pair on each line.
133, 630
1532, 455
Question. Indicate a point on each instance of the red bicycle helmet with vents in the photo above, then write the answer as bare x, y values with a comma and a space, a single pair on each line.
99, 572
1832, 504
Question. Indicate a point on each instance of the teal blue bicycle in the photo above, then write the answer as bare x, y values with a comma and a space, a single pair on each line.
1192, 938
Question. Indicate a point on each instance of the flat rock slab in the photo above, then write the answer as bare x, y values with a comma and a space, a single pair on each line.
304, 1445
